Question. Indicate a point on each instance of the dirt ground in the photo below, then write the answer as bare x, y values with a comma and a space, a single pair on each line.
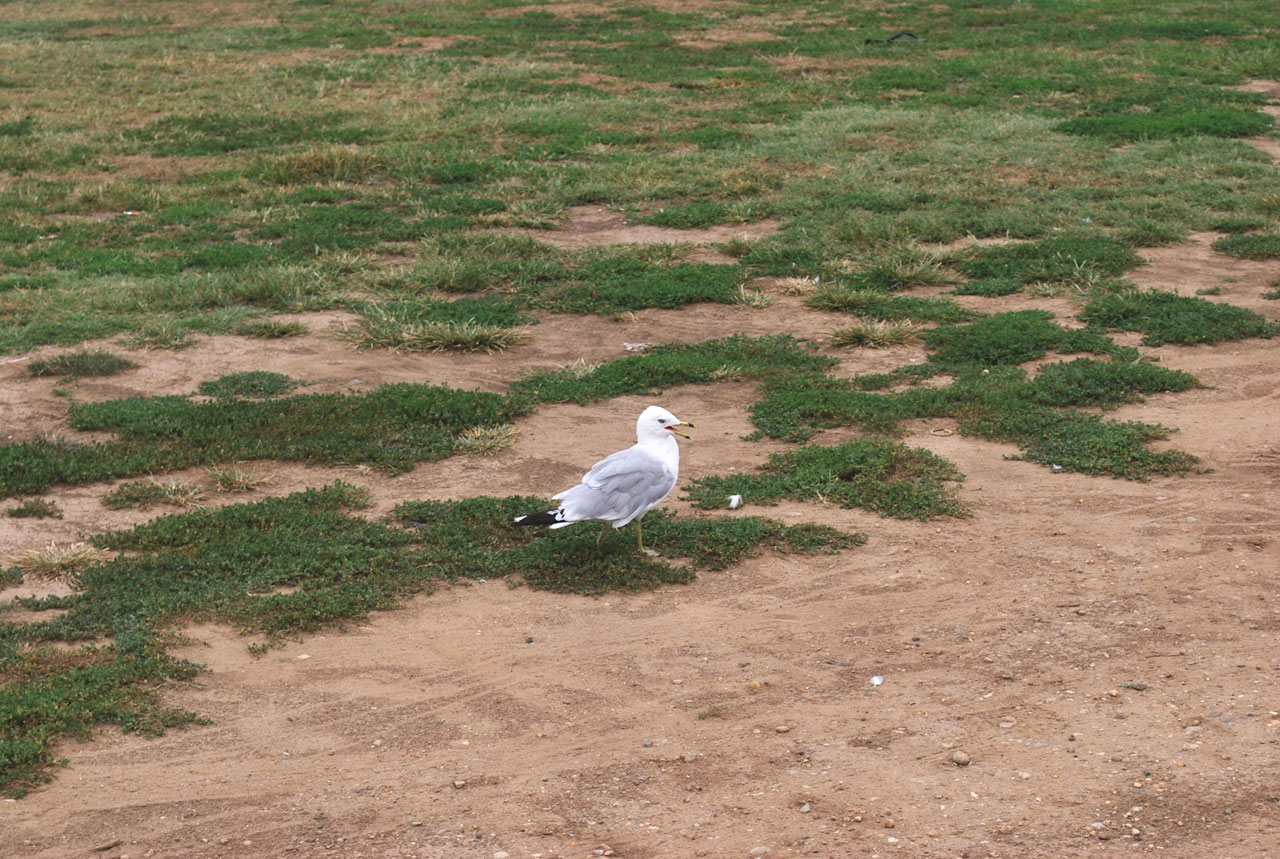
1085, 666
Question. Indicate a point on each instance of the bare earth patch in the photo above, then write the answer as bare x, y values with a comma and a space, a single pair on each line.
1100, 654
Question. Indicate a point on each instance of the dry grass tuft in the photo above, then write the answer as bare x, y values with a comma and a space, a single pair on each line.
752, 298
486, 441
60, 563
236, 478
877, 335
797, 286
383, 330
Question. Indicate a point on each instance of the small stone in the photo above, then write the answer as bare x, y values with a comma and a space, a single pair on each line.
888, 823
103, 848
647, 743
1006, 829
782, 729
1141, 687
416, 823
500, 854
1024, 775
960, 759
760, 851
1114, 693
459, 784
688, 758
933, 833
1007, 724
891, 840
804, 809
1006, 676
528, 639
247, 843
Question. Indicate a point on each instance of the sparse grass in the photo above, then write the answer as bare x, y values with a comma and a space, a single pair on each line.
270, 329
874, 304
1250, 246
88, 362
391, 333
993, 398
35, 508
877, 335
486, 440
1166, 317
1271, 294
240, 564
160, 337
257, 384
145, 494
237, 477
462, 325
59, 563
874, 473
1210, 290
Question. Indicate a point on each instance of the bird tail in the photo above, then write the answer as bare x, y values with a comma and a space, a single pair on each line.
549, 517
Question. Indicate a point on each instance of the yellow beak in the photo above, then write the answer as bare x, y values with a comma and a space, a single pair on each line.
681, 424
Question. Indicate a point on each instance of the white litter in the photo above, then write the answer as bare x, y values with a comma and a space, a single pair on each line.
735, 501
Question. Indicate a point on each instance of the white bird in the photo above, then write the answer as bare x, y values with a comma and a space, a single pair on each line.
623, 486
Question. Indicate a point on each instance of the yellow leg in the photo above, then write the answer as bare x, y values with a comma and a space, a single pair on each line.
604, 532
639, 539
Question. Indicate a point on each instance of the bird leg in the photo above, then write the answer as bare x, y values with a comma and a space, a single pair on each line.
604, 532
640, 542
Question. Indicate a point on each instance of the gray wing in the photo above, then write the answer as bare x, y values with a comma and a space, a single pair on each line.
618, 488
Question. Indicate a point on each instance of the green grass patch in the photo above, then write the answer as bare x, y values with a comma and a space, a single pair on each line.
240, 565
35, 508
1166, 317
390, 428
1250, 246
990, 287
730, 358
619, 284
874, 304
1060, 260
875, 474
1013, 338
1134, 127
87, 362
256, 384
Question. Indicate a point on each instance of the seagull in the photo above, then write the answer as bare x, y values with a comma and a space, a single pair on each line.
625, 485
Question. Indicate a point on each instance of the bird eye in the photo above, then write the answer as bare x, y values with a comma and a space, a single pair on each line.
662, 420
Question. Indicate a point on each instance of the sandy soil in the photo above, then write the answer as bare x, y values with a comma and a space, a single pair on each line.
1085, 666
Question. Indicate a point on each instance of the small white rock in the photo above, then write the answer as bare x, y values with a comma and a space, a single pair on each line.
877, 680
735, 501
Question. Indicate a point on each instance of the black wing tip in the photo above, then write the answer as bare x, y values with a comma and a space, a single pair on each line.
547, 517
